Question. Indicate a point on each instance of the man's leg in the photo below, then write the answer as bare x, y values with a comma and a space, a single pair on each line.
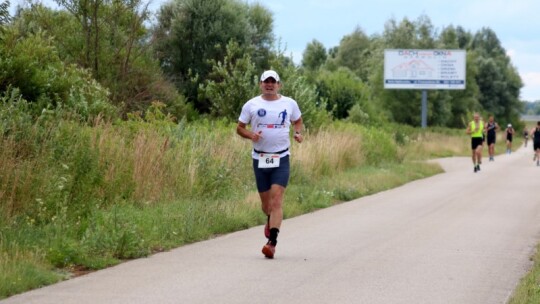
478, 152
265, 206
272, 204
276, 206
474, 159
265, 202
479, 155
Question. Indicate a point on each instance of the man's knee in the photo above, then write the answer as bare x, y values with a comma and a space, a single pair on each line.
276, 201
277, 193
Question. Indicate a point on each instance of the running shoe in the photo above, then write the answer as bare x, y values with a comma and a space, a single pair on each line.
475, 169
269, 250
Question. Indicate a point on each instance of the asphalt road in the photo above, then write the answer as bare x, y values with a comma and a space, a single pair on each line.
458, 237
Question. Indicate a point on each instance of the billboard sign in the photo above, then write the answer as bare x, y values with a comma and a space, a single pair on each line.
424, 69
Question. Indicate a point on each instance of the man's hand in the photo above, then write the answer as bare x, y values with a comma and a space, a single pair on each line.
298, 137
256, 136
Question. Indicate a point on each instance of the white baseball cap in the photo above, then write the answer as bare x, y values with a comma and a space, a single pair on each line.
268, 74
509, 125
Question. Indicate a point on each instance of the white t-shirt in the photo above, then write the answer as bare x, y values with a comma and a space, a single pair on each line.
273, 118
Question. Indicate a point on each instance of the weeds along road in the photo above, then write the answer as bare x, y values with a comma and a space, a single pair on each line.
458, 237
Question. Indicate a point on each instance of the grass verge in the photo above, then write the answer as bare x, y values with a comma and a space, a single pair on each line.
528, 290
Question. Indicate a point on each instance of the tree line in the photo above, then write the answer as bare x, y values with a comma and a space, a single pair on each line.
202, 58
532, 108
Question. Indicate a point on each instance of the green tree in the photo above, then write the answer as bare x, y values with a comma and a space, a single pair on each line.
261, 36
498, 80
314, 55
4, 13
461, 102
464, 38
487, 44
353, 53
119, 43
536, 110
300, 88
87, 13
230, 84
191, 35
425, 33
399, 35
30, 65
448, 39
343, 89
531, 108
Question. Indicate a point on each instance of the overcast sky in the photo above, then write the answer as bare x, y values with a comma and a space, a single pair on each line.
516, 23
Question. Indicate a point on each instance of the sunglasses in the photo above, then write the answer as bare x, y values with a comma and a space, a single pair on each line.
270, 80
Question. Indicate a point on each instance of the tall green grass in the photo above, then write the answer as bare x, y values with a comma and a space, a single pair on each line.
77, 197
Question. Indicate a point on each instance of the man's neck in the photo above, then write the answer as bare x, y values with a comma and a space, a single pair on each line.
270, 97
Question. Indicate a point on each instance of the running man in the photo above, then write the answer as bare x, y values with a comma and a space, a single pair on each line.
270, 116
491, 129
509, 137
535, 135
525, 136
476, 130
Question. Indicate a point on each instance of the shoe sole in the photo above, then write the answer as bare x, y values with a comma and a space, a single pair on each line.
268, 253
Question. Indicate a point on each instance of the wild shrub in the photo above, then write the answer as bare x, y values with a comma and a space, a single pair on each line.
31, 65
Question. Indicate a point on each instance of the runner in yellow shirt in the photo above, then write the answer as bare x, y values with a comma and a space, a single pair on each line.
476, 130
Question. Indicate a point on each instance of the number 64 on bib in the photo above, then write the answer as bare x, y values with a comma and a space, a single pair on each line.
268, 160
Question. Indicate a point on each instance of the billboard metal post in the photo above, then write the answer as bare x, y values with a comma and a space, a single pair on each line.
424, 109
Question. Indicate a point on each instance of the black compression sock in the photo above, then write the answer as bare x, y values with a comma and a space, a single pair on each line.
273, 236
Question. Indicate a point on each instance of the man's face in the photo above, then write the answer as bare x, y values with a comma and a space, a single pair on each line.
269, 86
476, 117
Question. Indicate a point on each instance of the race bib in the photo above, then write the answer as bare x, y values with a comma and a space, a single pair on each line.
268, 160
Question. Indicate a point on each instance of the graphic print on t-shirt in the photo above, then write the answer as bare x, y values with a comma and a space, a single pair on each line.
261, 112
280, 121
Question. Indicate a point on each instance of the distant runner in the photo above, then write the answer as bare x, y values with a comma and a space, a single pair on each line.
509, 137
476, 130
491, 128
535, 135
